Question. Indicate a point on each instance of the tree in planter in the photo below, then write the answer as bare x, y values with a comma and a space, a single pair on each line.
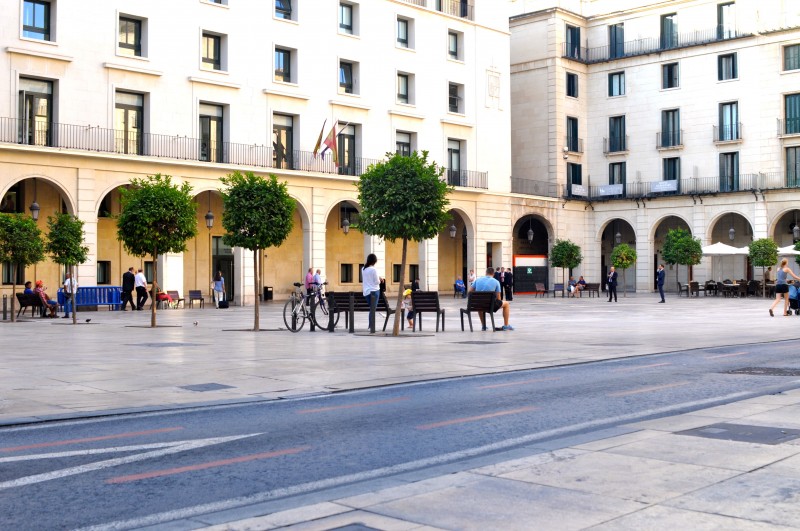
258, 214
156, 217
21, 245
65, 244
566, 255
763, 253
403, 198
680, 248
622, 257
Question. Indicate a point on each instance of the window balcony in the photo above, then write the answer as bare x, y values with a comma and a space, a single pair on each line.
669, 140
457, 8
467, 178
573, 144
421, 3
650, 45
615, 145
788, 127
728, 133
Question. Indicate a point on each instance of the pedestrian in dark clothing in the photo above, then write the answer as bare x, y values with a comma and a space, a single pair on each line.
611, 282
498, 276
128, 285
508, 285
660, 281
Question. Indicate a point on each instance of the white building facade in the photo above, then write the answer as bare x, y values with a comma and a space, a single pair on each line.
106, 91
657, 115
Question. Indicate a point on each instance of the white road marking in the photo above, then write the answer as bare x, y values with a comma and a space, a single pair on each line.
233, 503
100, 465
95, 451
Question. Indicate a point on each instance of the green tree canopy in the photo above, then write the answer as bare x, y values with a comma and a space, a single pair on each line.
622, 257
403, 198
156, 217
258, 213
566, 255
65, 244
21, 245
681, 248
763, 253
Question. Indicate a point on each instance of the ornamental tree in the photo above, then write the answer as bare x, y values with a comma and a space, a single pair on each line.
680, 248
65, 244
21, 245
156, 217
763, 253
403, 198
259, 213
622, 257
566, 255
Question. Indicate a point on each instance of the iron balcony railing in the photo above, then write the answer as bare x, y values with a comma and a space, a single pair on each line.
467, 178
422, 3
669, 139
573, 144
649, 45
790, 126
457, 8
531, 187
751, 182
728, 132
615, 144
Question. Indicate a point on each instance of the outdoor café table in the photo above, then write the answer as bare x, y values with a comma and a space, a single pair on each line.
729, 289
711, 286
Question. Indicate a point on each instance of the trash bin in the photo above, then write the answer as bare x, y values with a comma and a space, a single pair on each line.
267, 293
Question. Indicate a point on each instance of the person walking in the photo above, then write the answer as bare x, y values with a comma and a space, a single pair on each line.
611, 282
781, 287
140, 282
219, 289
660, 281
70, 289
128, 285
371, 288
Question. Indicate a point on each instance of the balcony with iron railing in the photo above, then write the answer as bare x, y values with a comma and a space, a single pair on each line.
790, 126
573, 144
457, 8
736, 183
670, 41
669, 140
421, 3
728, 133
615, 144
467, 178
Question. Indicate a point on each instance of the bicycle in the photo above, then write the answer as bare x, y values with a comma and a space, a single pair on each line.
297, 309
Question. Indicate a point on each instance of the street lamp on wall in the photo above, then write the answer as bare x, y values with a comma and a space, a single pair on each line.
530, 231
209, 214
34, 208
795, 228
732, 231
453, 231
345, 225
617, 235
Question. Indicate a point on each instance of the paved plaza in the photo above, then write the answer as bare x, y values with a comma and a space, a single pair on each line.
636, 476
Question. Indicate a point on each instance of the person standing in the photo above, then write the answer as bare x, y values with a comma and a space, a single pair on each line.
371, 288
499, 278
140, 282
309, 280
70, 289
318, 278
219, 288
660, 281
471, 278
128, 285
781, 287
611, 282
509, 285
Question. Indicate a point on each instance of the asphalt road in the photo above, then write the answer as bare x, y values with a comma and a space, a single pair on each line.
148, 469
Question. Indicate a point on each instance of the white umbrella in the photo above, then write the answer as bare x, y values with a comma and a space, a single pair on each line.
788, 251
721, 249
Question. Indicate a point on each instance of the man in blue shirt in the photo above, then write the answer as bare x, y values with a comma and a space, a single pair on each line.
460, 287
489, 283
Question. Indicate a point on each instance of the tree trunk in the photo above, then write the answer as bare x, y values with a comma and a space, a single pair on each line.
624, 285
154, 293
14, 292
72, 292
763, 283
257, 282
397, 316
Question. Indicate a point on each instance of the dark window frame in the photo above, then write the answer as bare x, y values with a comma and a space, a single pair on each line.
283, 57
670, 76
403, 97
215, 42
103, 272
791, 107
283, 9
396, 269
617, 130
617, 171
572, 134
453, 46
671, 169
573, 41
616, 40
616, 83
283, 155
345, 8
345, 273
135, 47
402, 148
454, 98
791, 57
572, 85
128, 128
403, 41
346, 77
723, 71
669, 32
39, 32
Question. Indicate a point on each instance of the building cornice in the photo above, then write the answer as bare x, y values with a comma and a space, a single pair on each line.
215, 82
136, 69
451, 121
352, 105
37, 53
271, 92
406, 114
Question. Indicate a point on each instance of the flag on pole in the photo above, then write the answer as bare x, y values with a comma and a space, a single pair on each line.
319, 139
330, 143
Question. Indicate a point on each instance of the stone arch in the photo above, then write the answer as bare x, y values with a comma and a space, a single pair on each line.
740, 228
782, 235
66, 195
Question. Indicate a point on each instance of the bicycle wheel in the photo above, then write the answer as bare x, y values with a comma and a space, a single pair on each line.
321, 317
294, 314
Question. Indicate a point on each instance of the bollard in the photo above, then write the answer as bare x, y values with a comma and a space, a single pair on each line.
331, 311
351, 311
313, 309
5, 307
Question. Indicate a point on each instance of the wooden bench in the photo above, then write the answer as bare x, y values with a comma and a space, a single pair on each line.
592, 289
30, 300
176, 298
557, 288
479, 301
350, 302
95, 296
426, 302
196, 295
540, 290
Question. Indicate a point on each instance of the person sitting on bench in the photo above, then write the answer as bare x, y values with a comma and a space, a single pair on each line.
46, 302
489, 283
460, 287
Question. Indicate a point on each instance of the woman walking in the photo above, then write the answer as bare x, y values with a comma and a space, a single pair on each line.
781, 287
371, 288
219, 288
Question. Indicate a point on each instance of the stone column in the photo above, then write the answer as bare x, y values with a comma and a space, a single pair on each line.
243, 277
429, 264
86, 199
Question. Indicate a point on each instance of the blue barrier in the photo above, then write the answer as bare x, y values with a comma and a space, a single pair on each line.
95, 296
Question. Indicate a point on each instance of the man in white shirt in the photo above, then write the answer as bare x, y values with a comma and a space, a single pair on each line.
141, 289
70, 288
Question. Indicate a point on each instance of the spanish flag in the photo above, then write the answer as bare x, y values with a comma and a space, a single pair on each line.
330, 143
319, 139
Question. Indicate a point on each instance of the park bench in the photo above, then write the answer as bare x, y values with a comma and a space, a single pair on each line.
479, 301
29, 300
592, 289
177, 300
557, 288
539, 289
426, 302
350, 302
110, 296
196, 295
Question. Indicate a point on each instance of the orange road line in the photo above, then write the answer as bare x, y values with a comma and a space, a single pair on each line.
495, 386
350, 406
641, 367
90, 439
203, 466
646, 389
473, 419
728, 355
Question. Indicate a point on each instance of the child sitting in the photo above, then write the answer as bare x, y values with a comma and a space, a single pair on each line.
408, 308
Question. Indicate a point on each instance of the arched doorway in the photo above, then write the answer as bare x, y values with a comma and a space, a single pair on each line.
207, 253
617, 231
344, 248
454, 243
530, 248
735, 230
783, 231
283, 266
674, 273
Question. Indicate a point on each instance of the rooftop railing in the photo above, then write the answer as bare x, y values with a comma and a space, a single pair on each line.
467, 178
457, 8
670, 41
